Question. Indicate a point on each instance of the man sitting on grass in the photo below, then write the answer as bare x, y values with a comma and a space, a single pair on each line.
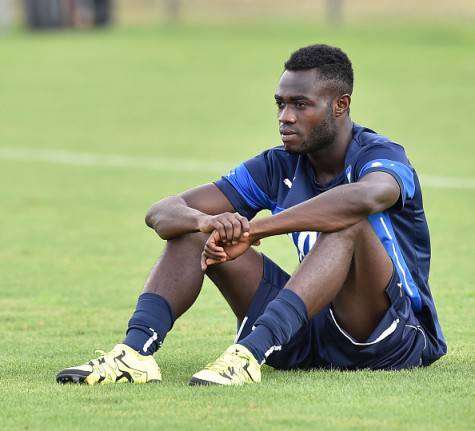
352, 204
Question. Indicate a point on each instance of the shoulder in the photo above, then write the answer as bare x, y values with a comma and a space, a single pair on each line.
370, 151
268, 169
366, 140
278, 155
271, 161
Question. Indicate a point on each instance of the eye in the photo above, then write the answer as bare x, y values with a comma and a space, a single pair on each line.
280, 104
300, 105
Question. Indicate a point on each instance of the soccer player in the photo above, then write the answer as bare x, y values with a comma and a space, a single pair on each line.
352, 204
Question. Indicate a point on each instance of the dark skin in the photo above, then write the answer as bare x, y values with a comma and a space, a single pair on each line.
186, 221
307, 105
348, 266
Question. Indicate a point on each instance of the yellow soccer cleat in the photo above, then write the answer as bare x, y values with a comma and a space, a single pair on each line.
121, 365
236, 366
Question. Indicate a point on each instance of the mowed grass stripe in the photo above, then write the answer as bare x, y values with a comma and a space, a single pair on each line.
114, 160
173, 164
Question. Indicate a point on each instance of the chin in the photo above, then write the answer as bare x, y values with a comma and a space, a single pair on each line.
292, 145
294, 148
291, 149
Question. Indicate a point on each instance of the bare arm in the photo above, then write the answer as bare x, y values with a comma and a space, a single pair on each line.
335, 209
201, 209
331, 211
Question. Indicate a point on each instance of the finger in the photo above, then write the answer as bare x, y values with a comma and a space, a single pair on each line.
204, 265
229, 230
210, 261
216, 238
211, 244
257, 242
245, 227
221, 230
206, 261
237, 231
213, 254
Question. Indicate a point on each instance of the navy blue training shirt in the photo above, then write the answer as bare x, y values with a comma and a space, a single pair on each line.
276, 180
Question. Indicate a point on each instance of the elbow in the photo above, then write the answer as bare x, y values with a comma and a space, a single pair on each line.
361, 200
368, 206
158, 219
152, 221
377, 199
150, 216
153, 216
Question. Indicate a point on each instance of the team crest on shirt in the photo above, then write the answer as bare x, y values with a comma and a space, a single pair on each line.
288, 183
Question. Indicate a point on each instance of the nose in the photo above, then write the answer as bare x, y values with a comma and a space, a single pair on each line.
287, 115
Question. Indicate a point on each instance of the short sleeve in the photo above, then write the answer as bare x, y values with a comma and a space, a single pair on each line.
246, 186
389, 158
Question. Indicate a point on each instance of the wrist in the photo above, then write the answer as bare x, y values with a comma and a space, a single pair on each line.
200, 222
255, 230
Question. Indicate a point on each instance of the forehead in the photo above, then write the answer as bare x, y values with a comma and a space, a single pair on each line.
300, 83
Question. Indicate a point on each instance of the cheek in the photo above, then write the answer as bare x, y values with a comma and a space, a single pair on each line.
310, 123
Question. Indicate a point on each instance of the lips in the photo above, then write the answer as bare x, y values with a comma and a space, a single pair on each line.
287, 134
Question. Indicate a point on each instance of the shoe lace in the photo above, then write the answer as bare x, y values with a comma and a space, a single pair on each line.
228, 361
105, 364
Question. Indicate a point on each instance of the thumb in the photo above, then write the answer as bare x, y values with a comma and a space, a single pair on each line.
204, 265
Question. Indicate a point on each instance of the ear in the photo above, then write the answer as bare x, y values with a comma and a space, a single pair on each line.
342, 105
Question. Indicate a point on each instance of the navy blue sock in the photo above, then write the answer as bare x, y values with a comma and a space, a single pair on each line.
281, 320
148, 326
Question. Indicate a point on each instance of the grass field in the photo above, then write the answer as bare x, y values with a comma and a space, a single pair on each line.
95, 127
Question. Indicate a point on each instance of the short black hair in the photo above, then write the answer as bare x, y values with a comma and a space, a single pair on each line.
331, 62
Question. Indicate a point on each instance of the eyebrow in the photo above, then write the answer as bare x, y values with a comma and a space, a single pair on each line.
291, 98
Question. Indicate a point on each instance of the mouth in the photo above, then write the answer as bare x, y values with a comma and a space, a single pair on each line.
287, 134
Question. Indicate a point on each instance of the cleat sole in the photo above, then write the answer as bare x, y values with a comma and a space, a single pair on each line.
198, 382
77, 378
80, 379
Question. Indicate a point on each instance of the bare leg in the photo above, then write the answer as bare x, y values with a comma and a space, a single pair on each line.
177, 275
350, 269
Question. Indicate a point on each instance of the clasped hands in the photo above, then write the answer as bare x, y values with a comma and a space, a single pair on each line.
230, 236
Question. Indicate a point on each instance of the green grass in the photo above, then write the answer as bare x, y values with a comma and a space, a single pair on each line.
75, 251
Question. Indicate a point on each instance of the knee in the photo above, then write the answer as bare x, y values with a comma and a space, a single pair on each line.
189, 240
350, 233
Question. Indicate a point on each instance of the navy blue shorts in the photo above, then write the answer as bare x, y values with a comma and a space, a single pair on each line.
397, 342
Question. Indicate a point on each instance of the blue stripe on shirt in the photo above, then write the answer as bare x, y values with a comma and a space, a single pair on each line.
243, 182
383, 228
403, 171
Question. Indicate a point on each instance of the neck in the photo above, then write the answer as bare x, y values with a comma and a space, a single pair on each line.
330, 161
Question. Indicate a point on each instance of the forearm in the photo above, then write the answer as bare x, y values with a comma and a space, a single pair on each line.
331, 211
172, 217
